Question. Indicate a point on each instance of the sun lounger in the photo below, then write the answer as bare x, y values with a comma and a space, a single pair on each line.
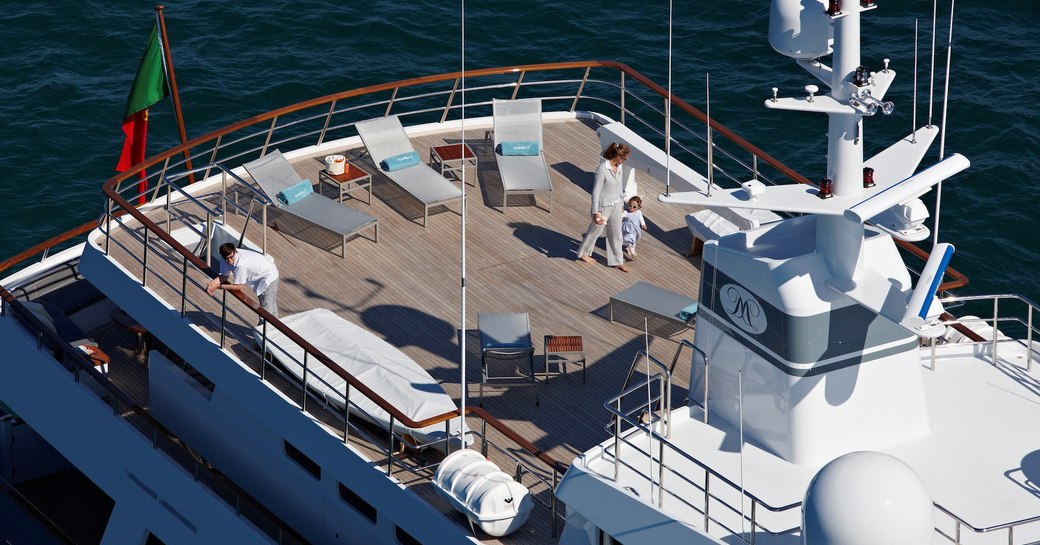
382, 367
385, 139
519, 149
274, 174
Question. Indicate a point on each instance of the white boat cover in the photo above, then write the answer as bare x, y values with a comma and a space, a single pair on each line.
380, 365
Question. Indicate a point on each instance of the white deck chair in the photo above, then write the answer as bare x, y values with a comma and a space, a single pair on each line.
384, 137
273, 173
521, 121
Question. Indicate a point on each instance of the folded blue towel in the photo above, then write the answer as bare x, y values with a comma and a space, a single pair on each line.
687, 313
520, 147
399, 162
295, 193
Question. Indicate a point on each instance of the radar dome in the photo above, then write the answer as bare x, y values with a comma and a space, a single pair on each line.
800, 29
867, 498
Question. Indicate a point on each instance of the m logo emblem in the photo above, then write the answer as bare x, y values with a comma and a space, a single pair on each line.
743, 309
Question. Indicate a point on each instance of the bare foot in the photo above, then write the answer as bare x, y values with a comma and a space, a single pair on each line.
622, 268
587, 259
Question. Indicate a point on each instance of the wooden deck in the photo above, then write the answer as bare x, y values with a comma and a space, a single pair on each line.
406, 288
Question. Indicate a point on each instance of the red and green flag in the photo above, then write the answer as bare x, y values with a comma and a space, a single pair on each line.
149, 87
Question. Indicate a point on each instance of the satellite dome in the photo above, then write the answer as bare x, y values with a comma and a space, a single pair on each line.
867, 498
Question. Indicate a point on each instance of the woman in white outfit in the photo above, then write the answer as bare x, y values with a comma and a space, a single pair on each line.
607, 200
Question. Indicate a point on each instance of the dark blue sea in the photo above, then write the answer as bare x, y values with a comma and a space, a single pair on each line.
65, 70
65, 74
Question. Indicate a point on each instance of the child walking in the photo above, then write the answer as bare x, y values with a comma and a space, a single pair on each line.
632, 225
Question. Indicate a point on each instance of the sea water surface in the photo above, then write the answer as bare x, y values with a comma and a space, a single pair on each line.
65, 70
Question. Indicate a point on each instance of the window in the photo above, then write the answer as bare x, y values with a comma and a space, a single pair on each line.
404, 538
355, 501
308, 465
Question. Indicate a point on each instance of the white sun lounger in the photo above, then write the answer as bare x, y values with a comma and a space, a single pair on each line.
380, 365
384, 137
273, 173
521, 121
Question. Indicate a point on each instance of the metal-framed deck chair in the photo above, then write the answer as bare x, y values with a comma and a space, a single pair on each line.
274, 174
387, 144
519, 149
505, 335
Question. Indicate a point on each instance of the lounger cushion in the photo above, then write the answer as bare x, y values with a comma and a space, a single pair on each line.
295, 193
525, 147
400, 161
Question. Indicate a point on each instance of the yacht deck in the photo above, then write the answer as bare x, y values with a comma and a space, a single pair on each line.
406, 289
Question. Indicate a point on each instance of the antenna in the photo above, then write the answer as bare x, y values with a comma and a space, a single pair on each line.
707, 117
668, 113
462, 244
913, 116
942, 130
931, 81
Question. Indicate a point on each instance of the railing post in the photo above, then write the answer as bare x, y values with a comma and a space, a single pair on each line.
303, 388
184, 286
617, 437
581, 87
754, 166
552, 500
707, 498
519, 81
328, 120
754, 504
223, 317
483, 437
660, 474
390, 103
390, 450
108, 223
263, 351
996, 315
451, 98
1029, 338
346, 414
622, 98
209, 238
144, 260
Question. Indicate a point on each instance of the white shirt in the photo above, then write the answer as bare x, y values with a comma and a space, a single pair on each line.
251, 268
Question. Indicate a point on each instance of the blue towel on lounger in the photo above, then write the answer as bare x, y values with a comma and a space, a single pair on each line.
295, 193
687, 313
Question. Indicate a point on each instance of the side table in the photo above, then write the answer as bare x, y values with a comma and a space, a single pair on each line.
352, 179
564, 349
120, 317
453, 158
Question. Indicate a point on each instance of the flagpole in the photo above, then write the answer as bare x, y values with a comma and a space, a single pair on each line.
173, 87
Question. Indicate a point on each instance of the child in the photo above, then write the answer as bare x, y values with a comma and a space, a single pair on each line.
631, 223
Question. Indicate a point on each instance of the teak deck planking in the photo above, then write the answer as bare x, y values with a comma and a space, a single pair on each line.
407, 290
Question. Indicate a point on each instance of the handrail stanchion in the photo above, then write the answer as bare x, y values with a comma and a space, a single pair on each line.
1029, 338
390, 449
552, 499
660, 471
303, 386
208, 243
517, 85
263, 350
108, 223
390, 103
346, 413
622, 98
483, 437
707, 499
144, 260
996, 304
223, 317
451, 98
328, 120
184, 286
754, 504
617, 438
581, 87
